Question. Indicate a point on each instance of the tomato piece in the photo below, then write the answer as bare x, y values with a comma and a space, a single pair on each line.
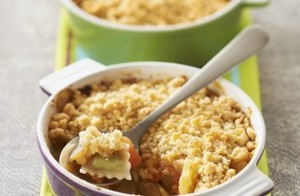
135, 159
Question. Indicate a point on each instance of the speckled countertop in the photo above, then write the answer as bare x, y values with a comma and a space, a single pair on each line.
27, 45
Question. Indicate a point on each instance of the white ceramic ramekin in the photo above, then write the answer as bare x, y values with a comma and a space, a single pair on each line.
250, 181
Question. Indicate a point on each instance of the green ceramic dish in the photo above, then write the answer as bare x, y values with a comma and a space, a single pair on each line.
191, 43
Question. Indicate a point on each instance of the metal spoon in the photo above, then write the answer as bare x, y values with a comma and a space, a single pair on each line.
241, 47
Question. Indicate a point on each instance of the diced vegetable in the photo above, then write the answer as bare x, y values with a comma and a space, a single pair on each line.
188, 177
135, 159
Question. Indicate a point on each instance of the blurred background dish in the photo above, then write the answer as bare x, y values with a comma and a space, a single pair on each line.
191, 43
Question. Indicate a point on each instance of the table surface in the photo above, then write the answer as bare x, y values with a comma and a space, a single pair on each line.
27, 46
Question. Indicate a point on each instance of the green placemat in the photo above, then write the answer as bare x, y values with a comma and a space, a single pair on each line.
246, 75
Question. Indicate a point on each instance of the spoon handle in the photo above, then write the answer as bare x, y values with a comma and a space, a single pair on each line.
241, 47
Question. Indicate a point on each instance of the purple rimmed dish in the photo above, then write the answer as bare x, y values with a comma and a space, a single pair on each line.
249, 181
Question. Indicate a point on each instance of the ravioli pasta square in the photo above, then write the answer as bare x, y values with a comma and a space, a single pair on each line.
106, 145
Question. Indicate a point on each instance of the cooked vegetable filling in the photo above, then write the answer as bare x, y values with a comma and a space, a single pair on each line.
112, 163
